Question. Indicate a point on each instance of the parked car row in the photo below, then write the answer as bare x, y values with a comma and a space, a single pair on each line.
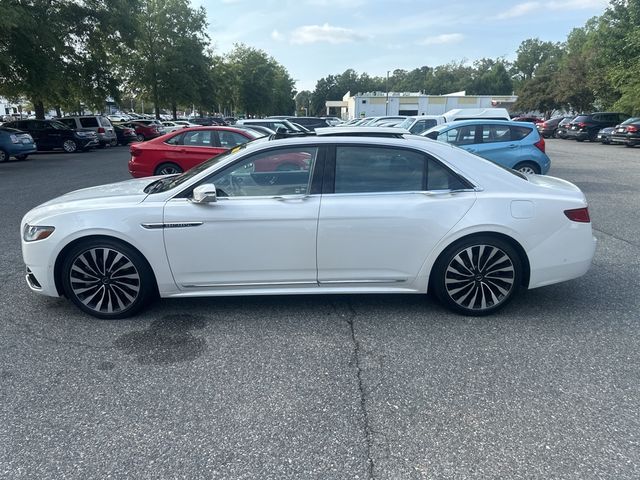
605, 127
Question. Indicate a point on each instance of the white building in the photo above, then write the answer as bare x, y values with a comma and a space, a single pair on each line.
375, 104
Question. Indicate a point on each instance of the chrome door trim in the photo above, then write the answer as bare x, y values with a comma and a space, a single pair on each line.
338, 282
250, 284
159, 225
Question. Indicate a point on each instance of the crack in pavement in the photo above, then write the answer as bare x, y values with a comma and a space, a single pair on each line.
616, 237
368, 433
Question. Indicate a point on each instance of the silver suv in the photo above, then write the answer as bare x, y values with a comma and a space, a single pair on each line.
98, 123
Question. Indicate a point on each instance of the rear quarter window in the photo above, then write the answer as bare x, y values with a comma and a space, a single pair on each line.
518, 133
89, 122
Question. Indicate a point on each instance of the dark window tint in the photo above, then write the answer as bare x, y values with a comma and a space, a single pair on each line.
581, 118
69, 122
35, 125
622, 117
518, 133
371, 169
89, 122
104, 122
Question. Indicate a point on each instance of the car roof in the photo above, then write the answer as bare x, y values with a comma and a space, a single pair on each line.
481, 121
361, 131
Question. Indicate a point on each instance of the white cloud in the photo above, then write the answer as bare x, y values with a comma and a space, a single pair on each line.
277, 36
444, 39
325, 33
519, 10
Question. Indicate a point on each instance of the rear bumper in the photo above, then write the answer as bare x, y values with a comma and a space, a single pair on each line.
20, 149
551, 265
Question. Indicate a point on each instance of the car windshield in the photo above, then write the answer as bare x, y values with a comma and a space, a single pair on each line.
406, 123
167, 183
437, 128
581, 118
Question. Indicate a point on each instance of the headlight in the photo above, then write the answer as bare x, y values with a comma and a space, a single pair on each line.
32, 233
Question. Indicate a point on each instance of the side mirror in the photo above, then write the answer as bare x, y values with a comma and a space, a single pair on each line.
205, 194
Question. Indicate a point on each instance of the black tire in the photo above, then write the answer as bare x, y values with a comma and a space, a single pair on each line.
4, 156
528, 167
630, 145
24, 156
70, 146
579, 139
477, 276
107, 279
140, 137
167, 168
113, 142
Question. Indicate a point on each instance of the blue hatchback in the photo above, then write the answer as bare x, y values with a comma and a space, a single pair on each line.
15, 143
516, 145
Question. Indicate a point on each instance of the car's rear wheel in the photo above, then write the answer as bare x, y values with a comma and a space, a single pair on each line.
527, 168
4, 156
107, 279
477, 276
140, 138
630, 145
167, 169
70, 146
114, 142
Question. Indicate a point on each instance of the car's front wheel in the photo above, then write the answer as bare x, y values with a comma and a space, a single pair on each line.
22, 156
527, 168
107, 278
70, 146
4, 156
167, 169
477, 276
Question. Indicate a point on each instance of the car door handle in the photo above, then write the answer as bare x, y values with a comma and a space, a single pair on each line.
513, 146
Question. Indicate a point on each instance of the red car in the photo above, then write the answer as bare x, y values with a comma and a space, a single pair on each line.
178, 151
145, 130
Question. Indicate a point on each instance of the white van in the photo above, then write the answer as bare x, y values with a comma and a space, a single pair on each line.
417, 124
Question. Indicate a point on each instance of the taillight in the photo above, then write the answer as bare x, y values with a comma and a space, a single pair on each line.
540, 144
578, 215
101, 130
545, 124
582, 125
632, 128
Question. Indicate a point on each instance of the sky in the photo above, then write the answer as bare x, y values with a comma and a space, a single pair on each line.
316, 38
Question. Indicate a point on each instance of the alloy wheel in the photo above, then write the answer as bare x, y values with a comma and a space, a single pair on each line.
104, 280
168, 169
69, 146
3, 156
479, 277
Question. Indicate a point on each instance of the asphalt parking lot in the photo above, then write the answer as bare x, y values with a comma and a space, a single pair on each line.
344, 387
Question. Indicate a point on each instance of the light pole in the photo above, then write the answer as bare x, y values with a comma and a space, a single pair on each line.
386, 104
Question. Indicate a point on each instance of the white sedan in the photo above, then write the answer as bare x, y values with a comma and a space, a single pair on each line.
312, 215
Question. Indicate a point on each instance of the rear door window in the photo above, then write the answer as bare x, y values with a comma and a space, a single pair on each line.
496, 133
69, 122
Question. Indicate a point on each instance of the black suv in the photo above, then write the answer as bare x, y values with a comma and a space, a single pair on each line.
51, 134
586, 127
